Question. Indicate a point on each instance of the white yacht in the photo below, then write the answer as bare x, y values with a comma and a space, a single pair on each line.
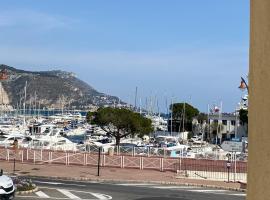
51, 138
7, 140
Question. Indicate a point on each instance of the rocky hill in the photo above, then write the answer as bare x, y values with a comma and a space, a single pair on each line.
55, 89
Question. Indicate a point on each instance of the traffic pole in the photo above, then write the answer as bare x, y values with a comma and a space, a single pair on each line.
99, 155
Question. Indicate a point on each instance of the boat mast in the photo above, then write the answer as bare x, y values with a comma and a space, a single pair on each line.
171, 115
136, 93
24, 105
184, 113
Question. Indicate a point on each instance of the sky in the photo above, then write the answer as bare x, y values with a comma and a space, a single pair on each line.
180, 50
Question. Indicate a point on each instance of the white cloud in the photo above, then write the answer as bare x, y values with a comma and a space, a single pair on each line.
34, 19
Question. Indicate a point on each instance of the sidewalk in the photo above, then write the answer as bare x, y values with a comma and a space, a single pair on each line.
109, 174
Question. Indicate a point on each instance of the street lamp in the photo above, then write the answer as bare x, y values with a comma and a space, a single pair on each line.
228, 165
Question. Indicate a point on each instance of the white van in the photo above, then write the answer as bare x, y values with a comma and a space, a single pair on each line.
7, 188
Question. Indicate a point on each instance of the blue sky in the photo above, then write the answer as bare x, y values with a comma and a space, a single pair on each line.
192, 50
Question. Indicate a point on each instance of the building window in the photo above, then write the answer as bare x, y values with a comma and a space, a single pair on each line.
224, 122
233, 122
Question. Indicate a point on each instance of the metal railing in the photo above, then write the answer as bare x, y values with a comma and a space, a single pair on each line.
185, 167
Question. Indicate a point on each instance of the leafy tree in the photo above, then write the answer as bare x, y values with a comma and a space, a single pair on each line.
243, 116
201, 117
216, 127
120, 123
186, 111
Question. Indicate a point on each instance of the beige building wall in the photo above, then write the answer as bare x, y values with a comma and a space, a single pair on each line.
259, 102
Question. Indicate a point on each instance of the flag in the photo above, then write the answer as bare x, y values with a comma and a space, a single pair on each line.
214, 109
3, 75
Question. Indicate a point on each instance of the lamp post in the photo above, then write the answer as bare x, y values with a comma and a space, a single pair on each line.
15, 148
228, 165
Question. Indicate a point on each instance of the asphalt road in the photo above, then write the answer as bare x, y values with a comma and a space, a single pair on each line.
61, 189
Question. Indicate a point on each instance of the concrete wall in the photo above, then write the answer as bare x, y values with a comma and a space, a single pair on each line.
259, 102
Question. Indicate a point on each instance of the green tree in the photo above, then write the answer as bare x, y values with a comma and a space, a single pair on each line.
216, 127
243, 116
184, 111
201, 117
120, 123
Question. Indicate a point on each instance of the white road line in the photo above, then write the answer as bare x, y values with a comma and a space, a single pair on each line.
42, 194
56, 183
68, 194
174, 187
239, 194
209, 191
104, 196
224, 192
136, 184
101, 196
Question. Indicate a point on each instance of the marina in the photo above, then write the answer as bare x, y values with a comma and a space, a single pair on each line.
71, 132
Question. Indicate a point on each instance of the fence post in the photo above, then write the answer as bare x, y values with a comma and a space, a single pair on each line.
34, 157
22, 155
104, 160
41, 155
7, 155
161, 164
27, 156
66, 158
141, 163
133, 151
180, 163
84, 159
123, 161
50, 157
235, 167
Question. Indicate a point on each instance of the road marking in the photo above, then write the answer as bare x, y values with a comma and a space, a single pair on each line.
136, 184
68, 194
223, 192
105, 196
42, 194
56, 183
209, 190
101, 196
239, 194
175, 187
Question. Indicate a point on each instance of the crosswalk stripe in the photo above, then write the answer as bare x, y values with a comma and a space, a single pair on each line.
42, 195
101, 196
68, 194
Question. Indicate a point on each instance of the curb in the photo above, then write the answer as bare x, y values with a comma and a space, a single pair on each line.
140, 181
27, 192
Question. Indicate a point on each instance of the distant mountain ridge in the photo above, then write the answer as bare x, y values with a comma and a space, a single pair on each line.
54, 88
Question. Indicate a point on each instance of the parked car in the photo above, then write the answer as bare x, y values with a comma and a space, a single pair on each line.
7, 188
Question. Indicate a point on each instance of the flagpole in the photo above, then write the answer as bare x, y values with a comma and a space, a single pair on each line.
208, 121
221, 105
